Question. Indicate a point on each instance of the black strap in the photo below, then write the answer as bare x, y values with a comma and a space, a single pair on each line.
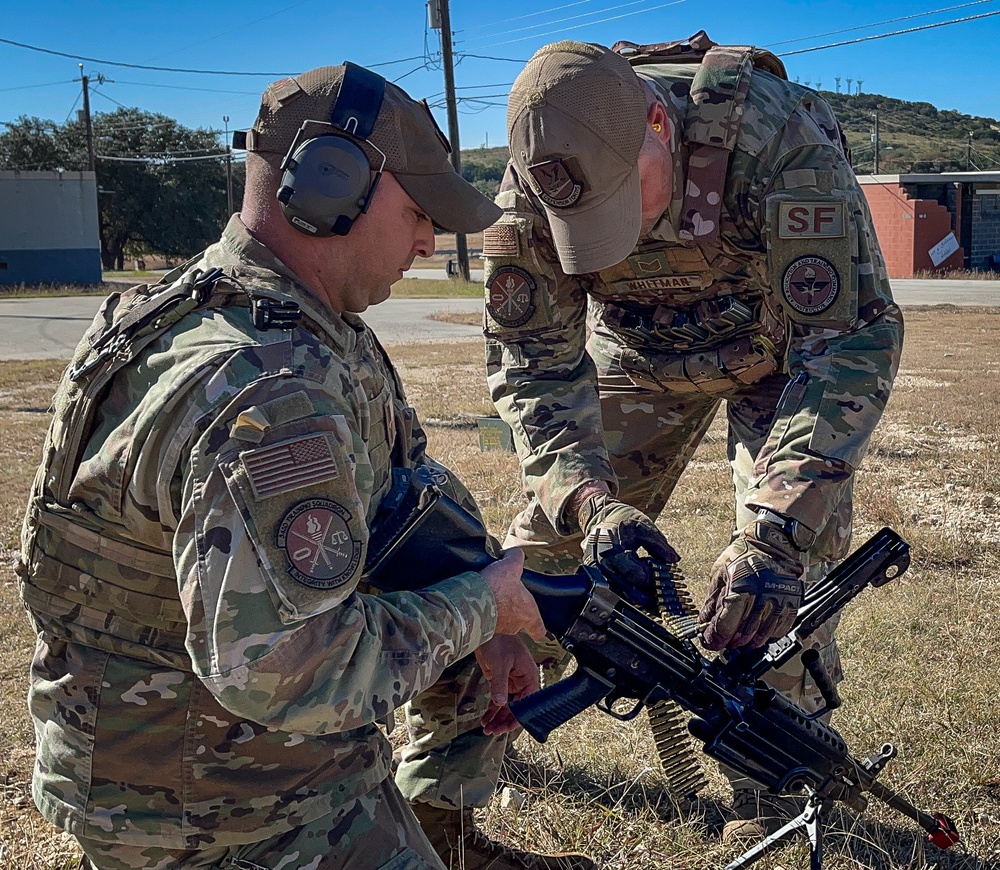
359, 101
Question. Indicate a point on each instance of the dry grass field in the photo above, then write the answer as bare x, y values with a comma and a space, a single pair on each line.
921, 654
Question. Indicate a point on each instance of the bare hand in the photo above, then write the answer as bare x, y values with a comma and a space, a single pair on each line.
516, 608
512, 674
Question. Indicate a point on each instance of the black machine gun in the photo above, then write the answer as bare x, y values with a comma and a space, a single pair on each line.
624, 655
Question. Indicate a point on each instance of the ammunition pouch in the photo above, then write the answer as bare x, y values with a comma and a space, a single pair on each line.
710, 347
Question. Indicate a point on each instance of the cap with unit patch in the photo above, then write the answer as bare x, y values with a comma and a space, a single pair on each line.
576, 120
416, 151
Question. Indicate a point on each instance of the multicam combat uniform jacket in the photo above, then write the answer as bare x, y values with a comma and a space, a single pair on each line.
207, 672
791, 279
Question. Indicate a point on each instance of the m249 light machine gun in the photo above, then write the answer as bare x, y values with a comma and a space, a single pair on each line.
624, 655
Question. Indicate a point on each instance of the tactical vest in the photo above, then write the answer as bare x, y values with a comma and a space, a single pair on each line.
716, 331
81, 578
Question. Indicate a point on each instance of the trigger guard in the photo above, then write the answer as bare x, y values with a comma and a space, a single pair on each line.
607, 703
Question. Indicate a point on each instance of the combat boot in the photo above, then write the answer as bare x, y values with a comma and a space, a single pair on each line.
462, 846
757, 815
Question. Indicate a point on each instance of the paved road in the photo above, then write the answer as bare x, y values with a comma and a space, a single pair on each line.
49, 328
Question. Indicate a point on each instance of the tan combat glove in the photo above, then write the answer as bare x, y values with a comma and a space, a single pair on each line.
756, 585
613, 532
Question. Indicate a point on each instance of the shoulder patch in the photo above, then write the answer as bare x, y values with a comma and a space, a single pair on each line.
810, 284
501, 240
556, 186
316, 537
304, 461
510, 296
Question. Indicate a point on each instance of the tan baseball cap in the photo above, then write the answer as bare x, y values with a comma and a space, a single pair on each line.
576, 121
416, 151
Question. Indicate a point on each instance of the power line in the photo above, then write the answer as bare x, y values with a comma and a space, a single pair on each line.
493, 36
590, 23
877, 23
529, 15
893, 33
44, 85
207, 72
464, 54
187, 88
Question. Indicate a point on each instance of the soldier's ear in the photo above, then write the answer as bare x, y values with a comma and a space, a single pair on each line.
656, 120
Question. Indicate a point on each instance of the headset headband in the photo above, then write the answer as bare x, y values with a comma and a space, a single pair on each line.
359, 101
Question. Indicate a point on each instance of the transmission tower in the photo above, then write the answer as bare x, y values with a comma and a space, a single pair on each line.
837, 80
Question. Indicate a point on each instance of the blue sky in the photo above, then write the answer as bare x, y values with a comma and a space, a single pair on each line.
953, 67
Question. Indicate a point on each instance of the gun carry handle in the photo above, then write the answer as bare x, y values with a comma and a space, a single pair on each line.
545, 710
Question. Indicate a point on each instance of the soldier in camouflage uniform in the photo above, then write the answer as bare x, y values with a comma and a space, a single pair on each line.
682, 228
209, 673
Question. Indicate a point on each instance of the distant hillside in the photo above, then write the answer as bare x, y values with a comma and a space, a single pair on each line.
913, 137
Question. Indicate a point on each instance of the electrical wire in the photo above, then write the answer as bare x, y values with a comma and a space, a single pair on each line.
44, 85
893, 33
493, 36
877, 23
528, 15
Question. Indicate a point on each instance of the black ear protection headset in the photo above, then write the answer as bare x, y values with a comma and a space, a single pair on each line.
327, 182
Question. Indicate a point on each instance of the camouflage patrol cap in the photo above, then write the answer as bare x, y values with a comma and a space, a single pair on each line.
416, 151
576, 121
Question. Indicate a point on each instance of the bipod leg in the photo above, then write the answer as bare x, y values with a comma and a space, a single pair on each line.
809, 821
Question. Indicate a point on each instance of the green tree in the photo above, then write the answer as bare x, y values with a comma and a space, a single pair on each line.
162, 186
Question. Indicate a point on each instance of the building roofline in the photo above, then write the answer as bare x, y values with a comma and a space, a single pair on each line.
931, 178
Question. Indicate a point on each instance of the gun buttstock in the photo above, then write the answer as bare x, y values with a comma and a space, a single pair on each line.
545, 710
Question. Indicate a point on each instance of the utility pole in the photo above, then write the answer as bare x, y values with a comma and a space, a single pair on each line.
444, 19
875, 137
86, 119
968, 152
229, 169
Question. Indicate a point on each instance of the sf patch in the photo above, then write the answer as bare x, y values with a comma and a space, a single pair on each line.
810, 284
510, 293
316, 537
555, 185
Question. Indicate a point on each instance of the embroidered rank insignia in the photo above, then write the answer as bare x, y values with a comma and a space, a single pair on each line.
810, 284
556, 187
292, 465
510, 296
316, 537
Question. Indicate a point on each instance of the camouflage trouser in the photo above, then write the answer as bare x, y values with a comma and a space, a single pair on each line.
651, 437
375, 832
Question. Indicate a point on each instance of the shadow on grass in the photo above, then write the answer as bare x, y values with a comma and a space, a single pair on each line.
860, 840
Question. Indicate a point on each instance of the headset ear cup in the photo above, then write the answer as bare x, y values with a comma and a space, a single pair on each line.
324, 185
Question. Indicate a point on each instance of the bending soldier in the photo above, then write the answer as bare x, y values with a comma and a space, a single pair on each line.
702, 212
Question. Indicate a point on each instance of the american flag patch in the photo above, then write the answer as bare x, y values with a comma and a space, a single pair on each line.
292, 465
501, 240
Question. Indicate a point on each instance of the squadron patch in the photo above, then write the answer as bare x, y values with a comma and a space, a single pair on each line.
810, 284
510, 296
316, 537
556, 187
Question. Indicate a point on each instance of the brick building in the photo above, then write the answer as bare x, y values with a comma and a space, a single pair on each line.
915, 212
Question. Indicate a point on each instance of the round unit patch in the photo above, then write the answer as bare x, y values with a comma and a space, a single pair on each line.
510, 296
810, 284
317, 540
